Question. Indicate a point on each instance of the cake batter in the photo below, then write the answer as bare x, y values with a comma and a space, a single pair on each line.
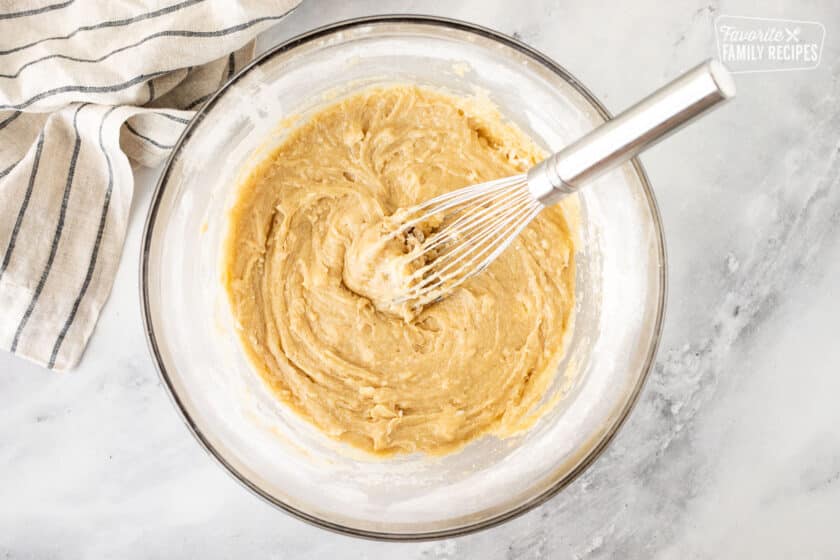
388, 382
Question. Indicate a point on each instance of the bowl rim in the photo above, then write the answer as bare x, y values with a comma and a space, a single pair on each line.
312, 519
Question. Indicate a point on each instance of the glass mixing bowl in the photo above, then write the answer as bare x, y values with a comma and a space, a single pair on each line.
283, 459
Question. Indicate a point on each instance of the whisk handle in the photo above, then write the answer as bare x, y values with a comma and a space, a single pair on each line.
641, 126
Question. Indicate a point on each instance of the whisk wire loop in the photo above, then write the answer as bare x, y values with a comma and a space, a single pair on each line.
469, 229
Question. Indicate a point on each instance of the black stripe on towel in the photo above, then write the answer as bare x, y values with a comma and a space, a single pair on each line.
85, 89
23, 206
112, 23
168, 33
174, 118
8, 169
103, 216
198, 102
132, 130
7, 121
57, 236
231, 66
36, 11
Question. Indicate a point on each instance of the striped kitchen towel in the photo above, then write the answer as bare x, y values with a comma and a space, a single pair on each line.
85, 89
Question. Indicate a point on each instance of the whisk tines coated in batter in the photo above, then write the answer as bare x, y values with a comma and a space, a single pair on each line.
458, 234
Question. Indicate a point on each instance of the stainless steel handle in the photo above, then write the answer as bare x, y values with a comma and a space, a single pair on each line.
641, 126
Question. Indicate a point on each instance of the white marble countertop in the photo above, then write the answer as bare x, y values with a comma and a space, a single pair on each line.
734, 447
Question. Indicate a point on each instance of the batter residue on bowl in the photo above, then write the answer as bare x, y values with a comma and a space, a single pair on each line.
477, 362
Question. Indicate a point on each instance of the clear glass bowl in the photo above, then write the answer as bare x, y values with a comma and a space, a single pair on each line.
620, 295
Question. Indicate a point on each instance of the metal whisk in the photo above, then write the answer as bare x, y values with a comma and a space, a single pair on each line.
457, 235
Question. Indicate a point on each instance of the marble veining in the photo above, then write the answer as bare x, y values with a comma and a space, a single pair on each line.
734, 448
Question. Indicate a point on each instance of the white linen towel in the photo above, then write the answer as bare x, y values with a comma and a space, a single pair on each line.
85, 87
